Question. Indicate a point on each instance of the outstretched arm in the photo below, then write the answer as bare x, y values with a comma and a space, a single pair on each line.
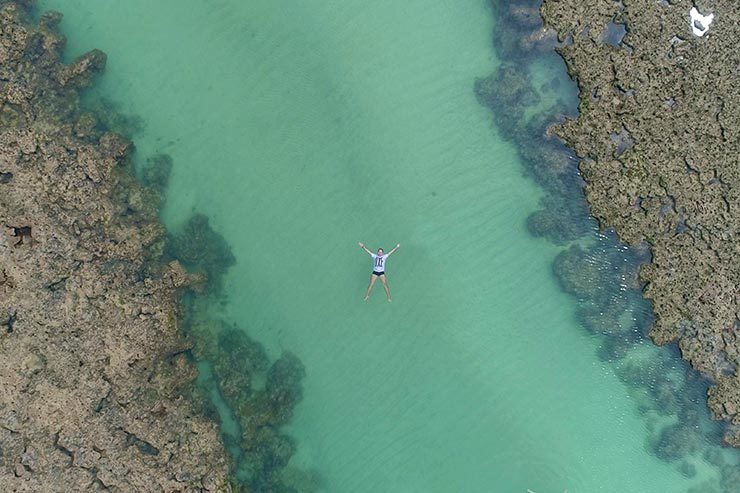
394, 249
362, 245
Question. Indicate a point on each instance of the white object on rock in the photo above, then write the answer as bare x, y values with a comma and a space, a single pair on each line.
700, 23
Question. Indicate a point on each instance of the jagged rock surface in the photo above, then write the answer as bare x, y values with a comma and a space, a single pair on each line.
92, 370
659, 135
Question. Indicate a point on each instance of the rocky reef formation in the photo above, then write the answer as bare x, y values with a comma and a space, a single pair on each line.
240, 386
260, 397
659, 138
528, 93
201, 249
523, 111
94, 368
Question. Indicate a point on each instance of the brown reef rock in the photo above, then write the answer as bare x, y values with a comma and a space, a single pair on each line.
92, 365
659, 135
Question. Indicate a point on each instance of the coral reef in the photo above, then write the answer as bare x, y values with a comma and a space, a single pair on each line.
516, 106
93, 364
156, 172
260, 396
202, 250
659, 134
600, 272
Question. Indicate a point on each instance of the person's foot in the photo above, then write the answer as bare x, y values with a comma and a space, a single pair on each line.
365, 298
389, 300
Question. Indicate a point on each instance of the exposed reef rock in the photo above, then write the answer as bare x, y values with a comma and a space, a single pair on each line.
93, 368
659, 138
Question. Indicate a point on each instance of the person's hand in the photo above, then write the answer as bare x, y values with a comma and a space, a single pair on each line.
362, 245
398, 246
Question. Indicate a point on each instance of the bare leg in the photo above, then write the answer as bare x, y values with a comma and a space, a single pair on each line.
387, 289
373, 278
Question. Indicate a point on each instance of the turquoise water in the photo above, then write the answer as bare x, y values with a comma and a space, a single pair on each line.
301, 128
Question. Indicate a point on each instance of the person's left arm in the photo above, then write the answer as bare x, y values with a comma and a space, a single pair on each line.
394, 249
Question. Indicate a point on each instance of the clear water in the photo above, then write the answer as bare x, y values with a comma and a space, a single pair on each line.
301, 128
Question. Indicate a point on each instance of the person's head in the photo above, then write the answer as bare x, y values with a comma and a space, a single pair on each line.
380, 251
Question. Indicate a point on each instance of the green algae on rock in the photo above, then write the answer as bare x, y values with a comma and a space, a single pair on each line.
673, 96
94, 367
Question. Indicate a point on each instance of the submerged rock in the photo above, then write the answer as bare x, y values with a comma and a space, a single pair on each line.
559, 220
156, 172
261, 396
507, 92
202, 249
520, 32
677, 441
283, 385
83, 69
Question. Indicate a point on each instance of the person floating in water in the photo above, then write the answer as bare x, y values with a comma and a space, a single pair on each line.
379, 269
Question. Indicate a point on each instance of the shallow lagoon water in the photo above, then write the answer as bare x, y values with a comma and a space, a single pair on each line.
301, 128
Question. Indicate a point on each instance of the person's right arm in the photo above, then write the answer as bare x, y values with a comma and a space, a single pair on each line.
362, 245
